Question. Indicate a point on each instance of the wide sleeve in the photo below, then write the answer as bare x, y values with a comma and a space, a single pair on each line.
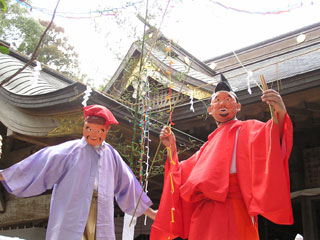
128, 190
35, 174
174, 214
267, 191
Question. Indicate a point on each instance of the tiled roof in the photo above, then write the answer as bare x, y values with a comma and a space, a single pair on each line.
280, 67
26, 83
182, 67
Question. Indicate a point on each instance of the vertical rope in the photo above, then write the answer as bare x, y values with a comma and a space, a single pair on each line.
147, 136
275, 119
158, 148
169, 150
134, 129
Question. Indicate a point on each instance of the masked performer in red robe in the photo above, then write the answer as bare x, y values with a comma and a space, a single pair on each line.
240, 172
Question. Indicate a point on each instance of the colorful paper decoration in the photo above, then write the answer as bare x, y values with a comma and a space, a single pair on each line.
144, 133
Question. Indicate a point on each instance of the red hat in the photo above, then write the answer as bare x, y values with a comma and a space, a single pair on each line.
100, 111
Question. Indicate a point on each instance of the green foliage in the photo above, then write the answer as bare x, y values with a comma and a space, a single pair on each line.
24, 32
123, 145
4, 50
56, 52
3, 5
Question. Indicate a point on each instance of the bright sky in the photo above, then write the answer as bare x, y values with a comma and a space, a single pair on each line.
205, 28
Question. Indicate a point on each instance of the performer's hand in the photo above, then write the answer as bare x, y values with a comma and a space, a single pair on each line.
273, 98
166, 138
151, 213
1, 178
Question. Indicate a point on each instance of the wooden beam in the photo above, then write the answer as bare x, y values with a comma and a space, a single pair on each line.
16, 156
312, 106
23, 210
298, 111
41, 141
305, 125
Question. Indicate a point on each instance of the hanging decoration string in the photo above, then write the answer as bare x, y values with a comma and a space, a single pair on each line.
169, 49
275, 12
144, 126
158, 148
83, 15
137, 97
142, 142
142, 64
36, 50
112, 11
258, 68
231, 77
145, 138
249, 74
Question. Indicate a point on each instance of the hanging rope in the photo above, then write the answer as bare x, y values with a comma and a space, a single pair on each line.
158, 148
134, 129
169, 49
142, 64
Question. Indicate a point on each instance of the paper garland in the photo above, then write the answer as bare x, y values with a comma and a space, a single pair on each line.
144, 133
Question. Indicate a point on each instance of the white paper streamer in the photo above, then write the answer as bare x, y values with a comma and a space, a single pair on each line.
191, 101
36, 72
128, 232
86, 96
0, 146
298, 237
10, 238
249, 75
187, 60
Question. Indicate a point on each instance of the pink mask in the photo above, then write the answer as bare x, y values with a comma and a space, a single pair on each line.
224, 107
95, 134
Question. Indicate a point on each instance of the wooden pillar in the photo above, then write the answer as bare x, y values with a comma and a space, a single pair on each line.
307, 219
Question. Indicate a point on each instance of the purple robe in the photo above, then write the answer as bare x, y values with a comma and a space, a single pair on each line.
70, 169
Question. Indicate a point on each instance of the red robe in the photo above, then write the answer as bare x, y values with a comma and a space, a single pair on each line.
262, 172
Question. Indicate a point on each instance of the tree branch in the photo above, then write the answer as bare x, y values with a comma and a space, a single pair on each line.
36, 51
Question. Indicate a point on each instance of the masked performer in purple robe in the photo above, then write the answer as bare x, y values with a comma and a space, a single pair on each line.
86, 175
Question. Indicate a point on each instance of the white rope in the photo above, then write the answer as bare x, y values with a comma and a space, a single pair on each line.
249, 74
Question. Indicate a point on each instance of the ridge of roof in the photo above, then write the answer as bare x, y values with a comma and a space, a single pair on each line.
266, 42
19, 56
